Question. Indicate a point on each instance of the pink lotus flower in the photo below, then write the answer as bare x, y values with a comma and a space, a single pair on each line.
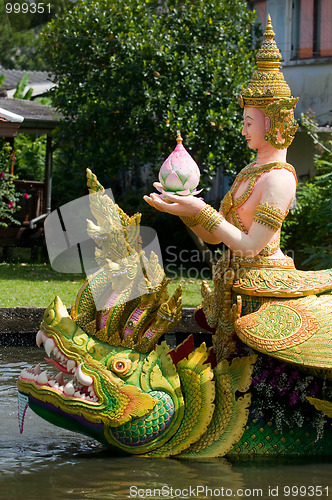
179, 174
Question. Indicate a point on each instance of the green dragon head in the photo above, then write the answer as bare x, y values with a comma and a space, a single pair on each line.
99, 389
159, 403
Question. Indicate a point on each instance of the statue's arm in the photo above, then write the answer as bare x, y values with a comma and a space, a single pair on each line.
277, 189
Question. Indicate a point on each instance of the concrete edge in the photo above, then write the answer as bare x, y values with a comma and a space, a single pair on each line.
26, 320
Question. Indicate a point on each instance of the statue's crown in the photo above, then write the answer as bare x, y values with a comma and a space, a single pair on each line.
267, 83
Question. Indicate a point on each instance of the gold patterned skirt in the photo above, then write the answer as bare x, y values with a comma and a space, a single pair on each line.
273, 308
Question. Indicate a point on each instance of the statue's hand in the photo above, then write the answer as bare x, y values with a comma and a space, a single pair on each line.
183, 206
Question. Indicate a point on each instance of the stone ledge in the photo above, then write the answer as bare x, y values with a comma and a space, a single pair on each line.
21, 320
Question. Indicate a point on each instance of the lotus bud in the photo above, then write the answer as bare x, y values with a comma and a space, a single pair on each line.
179, 174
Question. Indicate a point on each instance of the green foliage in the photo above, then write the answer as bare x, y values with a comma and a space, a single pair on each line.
8, 196
20, 28
29, 150
129, 74
309, 228
21, 92
30, 157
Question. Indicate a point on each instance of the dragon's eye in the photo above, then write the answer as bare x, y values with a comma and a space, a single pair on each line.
121, 366
49, 316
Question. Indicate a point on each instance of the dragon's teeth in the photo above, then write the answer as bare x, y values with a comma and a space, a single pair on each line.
49, 346
84, 379
91, 391
37, 370
42, 378
61, 358
59, 378
69, 389
70, 365
39, 338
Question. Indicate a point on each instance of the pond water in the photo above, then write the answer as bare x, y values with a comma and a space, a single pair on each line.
49, 462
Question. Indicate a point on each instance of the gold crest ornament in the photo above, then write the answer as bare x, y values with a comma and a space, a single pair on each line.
269, 91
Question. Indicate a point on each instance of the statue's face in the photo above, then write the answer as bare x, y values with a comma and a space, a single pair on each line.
255, 126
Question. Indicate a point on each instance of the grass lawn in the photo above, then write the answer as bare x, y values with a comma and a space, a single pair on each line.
35, 285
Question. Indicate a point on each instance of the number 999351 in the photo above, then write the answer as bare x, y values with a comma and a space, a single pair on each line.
28, 8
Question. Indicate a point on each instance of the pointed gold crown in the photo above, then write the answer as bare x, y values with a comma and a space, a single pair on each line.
267, 83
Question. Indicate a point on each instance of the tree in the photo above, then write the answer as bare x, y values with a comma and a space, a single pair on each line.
20, 26
129, 74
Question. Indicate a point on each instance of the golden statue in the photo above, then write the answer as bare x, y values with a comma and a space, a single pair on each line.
258, 294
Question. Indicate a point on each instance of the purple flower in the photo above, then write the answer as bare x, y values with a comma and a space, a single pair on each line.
294, 398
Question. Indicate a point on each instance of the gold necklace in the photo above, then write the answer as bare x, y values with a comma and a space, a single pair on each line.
251, 172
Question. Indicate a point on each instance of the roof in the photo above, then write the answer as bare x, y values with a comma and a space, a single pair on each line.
39, 81
34, 117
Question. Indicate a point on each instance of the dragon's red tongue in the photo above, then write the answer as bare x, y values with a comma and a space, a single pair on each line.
57, 365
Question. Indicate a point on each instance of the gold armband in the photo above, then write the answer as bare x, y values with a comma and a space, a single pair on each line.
209, 218
269, 216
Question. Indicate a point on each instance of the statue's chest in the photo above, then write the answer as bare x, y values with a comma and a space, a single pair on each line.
246, 196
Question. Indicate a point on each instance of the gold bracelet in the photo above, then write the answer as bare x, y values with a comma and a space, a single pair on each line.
209, 218
189, 221
269, 216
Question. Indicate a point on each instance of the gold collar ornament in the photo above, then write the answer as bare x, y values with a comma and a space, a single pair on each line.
269, 91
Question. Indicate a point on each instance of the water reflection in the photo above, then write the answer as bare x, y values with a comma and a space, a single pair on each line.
49, 462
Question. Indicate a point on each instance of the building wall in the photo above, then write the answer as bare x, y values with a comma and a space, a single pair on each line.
306, 65
309, 77
313, 84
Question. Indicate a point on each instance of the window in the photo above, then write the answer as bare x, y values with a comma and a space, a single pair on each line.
311, 29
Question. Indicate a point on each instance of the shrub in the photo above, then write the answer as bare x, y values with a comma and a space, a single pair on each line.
8, 195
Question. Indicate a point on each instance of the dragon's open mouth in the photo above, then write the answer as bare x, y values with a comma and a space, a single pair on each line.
69, 380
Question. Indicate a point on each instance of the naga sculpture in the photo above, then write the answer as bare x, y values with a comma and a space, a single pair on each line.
263, 388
